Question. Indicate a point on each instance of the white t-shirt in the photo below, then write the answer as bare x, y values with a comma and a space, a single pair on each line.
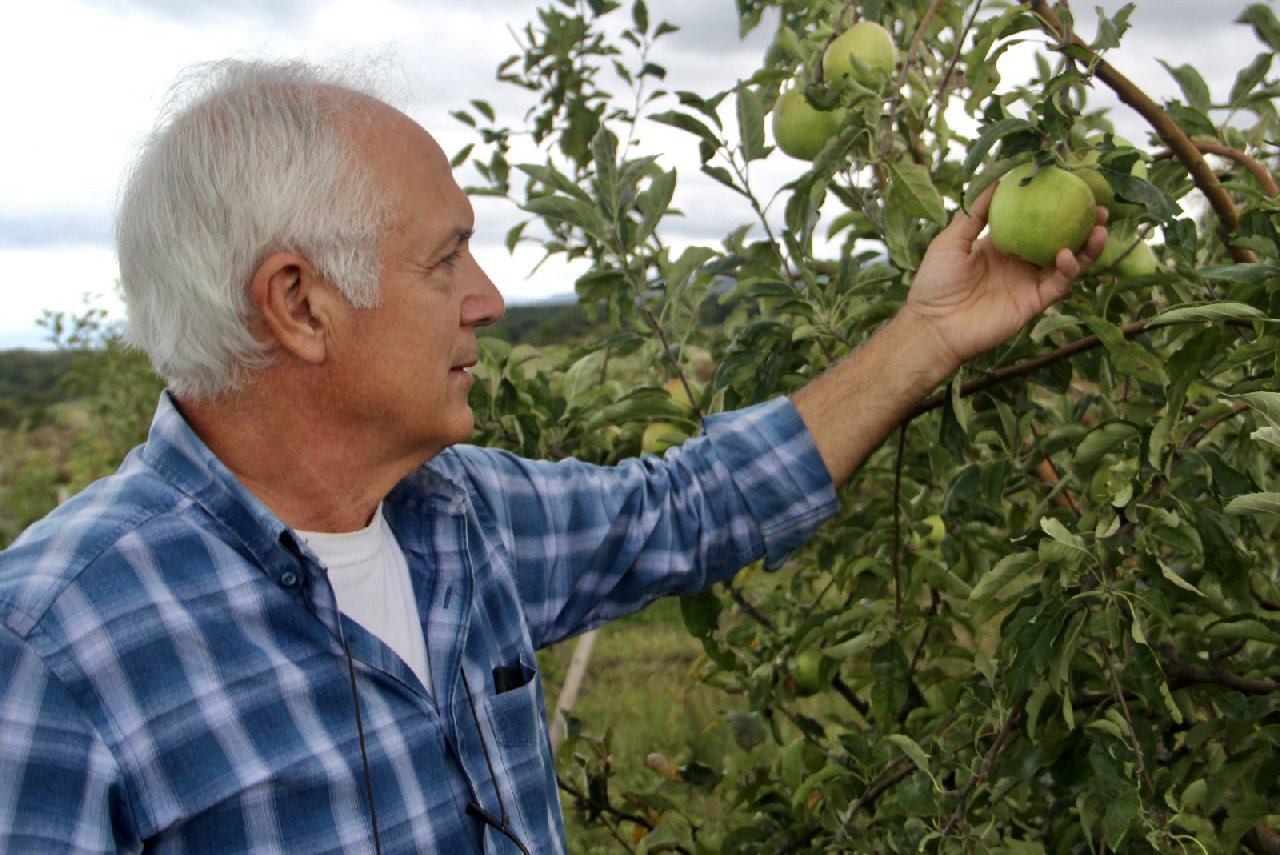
370, 578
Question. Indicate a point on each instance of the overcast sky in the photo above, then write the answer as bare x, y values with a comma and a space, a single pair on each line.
84, 79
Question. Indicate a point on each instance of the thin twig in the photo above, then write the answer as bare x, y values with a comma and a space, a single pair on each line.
586, 801
1118, 693
747, 607
988, 760
886, 144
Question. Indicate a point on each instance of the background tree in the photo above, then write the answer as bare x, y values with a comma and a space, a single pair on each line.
1047, 618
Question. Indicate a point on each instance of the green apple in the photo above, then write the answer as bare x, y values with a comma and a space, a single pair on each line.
679, 393
659, 436
806, 671
1083, 163
1141, 261
799, 128
930, 543
1032, 221
864, 53
1123, 261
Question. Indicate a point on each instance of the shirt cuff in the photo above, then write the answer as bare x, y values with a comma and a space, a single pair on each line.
777, 469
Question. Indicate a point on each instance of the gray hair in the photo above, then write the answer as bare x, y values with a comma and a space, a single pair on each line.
249, 159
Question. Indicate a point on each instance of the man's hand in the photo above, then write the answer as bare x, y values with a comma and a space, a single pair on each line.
973, 297
966, 299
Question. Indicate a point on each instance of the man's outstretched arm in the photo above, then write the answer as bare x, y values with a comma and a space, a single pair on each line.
966, 299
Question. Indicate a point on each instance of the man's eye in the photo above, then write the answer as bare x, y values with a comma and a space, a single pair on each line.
451, 259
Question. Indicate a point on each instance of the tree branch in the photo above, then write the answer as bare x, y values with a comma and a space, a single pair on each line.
586, 801
1182, 674
1253, 165
1131, 330
1177, 140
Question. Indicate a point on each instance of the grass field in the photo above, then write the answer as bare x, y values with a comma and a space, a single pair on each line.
639, 689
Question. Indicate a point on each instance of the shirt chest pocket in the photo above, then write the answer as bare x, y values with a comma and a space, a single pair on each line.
513, 704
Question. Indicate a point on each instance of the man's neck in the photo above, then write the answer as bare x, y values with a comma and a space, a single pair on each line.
309, 473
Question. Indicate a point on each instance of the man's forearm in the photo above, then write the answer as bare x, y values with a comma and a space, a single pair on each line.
852, 407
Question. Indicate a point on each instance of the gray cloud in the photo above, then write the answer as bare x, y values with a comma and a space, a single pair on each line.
291, 12
55, 229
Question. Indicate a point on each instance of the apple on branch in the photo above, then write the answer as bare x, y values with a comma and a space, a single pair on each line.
799, 128
1034, 213
864, 53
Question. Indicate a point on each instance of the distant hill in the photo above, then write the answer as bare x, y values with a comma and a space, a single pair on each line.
542, 324
30, 380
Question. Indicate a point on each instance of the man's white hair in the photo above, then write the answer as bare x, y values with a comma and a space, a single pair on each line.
249, 159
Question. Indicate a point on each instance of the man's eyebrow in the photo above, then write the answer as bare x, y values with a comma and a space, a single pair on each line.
460, 236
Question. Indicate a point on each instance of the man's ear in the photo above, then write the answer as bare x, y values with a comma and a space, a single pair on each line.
295, 306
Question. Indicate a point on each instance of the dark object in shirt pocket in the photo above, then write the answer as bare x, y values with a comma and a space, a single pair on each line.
515, 710
509, 677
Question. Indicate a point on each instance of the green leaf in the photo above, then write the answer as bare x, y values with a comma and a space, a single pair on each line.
998, 578
913, 750
1268, 435
1267, 504
582, 376
700, 613
1266, 403
1121, 812
1127, 356
640, 16
990, 135
573, 212
1193, 87
851, 647
987, 177
751, 124
514, 233
1101, 440
1264, 23
747, 727
554, 179
654, 202
719, 173
677, 274
1248, 629
1035, 647
1249, 274
1159, 206
689, 124
801, 795
1209, 312
1248, 79
1177, 580
461, 156
911, 186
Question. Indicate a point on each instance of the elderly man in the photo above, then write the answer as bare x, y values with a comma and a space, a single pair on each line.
302, 617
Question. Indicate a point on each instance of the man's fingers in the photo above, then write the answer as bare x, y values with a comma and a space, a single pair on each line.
966, 227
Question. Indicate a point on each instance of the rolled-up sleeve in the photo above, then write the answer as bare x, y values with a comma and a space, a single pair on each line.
589, 544
772, 459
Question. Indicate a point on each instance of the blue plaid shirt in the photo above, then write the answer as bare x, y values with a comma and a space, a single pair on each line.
172, 666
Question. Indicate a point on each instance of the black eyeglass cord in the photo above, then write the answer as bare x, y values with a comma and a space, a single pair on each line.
502, 824
364, 754
474, 809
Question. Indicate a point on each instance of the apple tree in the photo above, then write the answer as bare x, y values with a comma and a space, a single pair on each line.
1047, 618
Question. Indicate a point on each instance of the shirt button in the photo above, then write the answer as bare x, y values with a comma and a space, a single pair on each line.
289, 579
